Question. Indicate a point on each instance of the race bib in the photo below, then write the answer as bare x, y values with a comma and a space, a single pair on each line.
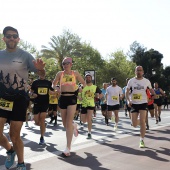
114, 98
6, 105
42, 91
53, 99
89, 95
137, 97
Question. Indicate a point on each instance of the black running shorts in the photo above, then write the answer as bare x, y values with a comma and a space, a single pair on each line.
65, 101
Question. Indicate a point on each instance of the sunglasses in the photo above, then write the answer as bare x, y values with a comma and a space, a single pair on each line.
66, 63
8, 36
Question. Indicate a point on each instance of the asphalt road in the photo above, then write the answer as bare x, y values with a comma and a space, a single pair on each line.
107, 150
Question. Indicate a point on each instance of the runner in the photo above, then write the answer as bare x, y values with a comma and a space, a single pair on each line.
150, 107
114, 94
40, 91
127, 108
89, 92
53, 103
103, 103
158, 102
68, 99
138, 102
15, 65
78, 108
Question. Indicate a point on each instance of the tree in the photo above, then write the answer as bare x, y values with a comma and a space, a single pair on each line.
2, 43
67, 44
28, 47
150, 60
51, 67
118, 66
90, 60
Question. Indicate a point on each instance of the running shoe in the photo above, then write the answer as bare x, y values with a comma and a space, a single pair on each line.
89, 136
115, 128
42, 142
156, 121
142, 144
76, 132
21, 167
66, 152
10, 159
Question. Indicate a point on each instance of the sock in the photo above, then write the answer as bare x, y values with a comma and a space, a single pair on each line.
141, 139
20, 163
11, 150
89, 132
41, 137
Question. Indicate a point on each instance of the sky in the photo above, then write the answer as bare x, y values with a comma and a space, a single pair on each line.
108, 25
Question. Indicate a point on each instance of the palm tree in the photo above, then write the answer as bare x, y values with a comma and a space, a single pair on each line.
67, 44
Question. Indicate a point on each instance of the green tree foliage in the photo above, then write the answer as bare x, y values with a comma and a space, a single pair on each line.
2, 44
67, 44
120, 67
51, 67
90, 60
28, 47
150, 60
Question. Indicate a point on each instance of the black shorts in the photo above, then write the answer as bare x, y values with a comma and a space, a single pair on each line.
84, 109
158, 102
39, 108
78, 107
52, 107
128, 108
113, 107
18, 112
103, 107
65, 101
136, 107
151, 107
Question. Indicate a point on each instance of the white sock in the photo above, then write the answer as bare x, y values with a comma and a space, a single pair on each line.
141, 139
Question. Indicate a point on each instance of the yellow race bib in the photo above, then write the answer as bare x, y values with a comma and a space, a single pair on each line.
6, 105
137, 97
114, 98
42, 91
157, 96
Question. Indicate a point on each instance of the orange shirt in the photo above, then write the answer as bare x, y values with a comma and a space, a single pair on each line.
150, 100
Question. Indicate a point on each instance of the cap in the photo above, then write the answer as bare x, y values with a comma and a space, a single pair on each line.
113, 78
88, 74
67, 59
9, 28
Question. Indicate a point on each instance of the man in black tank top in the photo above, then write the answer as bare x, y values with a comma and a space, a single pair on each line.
40, 91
